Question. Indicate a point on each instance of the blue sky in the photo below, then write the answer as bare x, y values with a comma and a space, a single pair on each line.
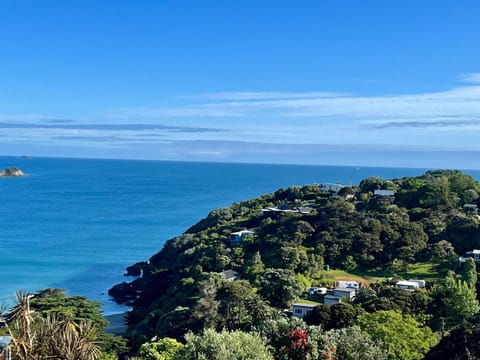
326, 82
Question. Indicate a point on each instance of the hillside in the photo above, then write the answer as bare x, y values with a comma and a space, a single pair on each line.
299, 237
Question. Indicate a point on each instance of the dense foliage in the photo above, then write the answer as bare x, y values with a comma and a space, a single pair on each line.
295, 235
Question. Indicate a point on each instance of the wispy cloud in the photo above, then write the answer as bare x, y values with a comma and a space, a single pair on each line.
456, 102
265, 95
471, 78
442, 123
105, 127
442, 118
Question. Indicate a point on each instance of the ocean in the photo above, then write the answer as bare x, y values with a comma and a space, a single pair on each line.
77, 224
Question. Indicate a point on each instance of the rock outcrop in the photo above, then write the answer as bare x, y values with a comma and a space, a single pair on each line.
11, 171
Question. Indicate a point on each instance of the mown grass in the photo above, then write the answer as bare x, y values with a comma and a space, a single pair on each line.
428, 271
306, 301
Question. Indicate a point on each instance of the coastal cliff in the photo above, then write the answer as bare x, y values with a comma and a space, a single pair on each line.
11, 172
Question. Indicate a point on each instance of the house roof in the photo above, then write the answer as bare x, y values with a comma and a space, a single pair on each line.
470, 206
384, 193
243, 232
230, 274
310, 306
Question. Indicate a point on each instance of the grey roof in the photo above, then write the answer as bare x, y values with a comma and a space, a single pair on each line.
305, 305
384, 193
230, 274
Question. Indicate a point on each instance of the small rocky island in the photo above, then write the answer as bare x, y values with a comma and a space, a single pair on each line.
11, 172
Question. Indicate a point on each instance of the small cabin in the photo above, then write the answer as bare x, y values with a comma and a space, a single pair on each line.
236, 238
300, 309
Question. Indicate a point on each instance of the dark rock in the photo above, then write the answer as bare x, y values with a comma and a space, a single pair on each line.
136, 269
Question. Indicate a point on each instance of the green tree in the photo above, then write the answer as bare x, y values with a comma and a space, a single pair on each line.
225, 345
352, 343
279, 287
163, 349
50, 337
403, 336
461, 299
469, 273
76, 308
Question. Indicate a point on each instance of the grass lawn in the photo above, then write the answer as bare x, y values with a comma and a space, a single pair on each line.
305, 301
429, 271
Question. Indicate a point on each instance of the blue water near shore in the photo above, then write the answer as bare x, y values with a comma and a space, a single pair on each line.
76, 223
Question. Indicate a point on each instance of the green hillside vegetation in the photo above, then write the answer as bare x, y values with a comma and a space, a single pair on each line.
308, 237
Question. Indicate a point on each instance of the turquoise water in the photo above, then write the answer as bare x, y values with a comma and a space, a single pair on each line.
76, 223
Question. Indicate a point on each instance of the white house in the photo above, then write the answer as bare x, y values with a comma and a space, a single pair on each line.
236, 238
300, 309
421, 283
407, 285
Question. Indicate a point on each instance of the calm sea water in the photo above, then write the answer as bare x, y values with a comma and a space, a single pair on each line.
76, 224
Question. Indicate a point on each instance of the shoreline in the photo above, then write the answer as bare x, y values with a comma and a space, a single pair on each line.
117, 323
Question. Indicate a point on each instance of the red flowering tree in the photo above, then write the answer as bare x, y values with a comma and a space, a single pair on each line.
298, 346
